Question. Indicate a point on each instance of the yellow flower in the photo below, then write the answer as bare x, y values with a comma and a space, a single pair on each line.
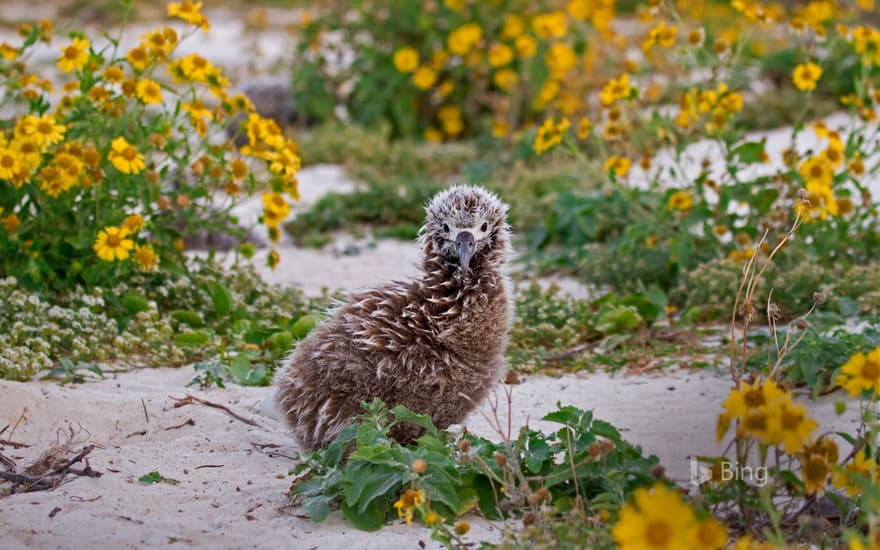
817, 461
74, 55
550, 134
861, 465
138, 57
513, 26
149, 91
145, 257
160, 42
747, 397
112, 244
505, 79
619, 165
661, 35
560, 59
711, 535
805, 76
681, 200
820, 203
28, 154
525, 46
408, 502
861, 373
406, 59
500, 128
189, 12
197, 109
651, 241
275, 209
424, 78
7, 51
113, 74
817, 170
656, 518
615, 89
11, 223
464, 38
125, 158
9, 164
866, 42
134, 223
462, 527
433, 517
500, 55
790, 426
433, 135
584, 128
238, 168
550, 25
834, 153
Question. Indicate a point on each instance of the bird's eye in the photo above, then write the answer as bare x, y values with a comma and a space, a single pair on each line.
445, 228
484, 227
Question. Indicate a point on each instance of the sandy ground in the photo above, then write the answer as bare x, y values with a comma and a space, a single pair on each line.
232, 490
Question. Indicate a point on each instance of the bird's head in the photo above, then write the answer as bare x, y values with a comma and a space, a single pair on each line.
466, 228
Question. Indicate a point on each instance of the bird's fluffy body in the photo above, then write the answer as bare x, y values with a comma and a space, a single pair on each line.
434, 344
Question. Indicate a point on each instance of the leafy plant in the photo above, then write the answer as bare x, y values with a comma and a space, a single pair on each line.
106, 178
363, 471
71, 373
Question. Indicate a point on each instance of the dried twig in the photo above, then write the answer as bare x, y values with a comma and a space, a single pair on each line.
17, 422
26, 483
190, 399
187, 422
15, 444
7, 462
573, 352
146, 414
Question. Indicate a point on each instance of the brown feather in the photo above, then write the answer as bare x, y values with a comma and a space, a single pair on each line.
434, 344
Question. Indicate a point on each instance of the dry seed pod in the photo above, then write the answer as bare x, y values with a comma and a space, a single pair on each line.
419, 466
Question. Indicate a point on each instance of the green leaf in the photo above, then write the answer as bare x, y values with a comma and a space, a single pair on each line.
606, 430
135, 303
370, 519
303, 326
221, 297
748, 152
317, 507
149, 479
618, 319
190, 318
402, 414
240, 367
194, 338
281, 341
570, 416
363, 483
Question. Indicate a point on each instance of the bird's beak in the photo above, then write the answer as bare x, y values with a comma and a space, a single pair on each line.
465, 243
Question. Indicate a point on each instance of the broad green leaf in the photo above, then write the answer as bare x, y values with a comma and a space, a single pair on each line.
303, 326
402, 414
190, 318
221, 297
135, 303
194, 338
370, 519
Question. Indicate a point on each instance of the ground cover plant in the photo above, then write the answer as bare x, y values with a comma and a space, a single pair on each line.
109, 165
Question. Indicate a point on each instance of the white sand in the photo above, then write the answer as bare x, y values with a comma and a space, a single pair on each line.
242, 503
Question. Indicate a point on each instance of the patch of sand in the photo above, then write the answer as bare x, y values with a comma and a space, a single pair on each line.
241, 503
